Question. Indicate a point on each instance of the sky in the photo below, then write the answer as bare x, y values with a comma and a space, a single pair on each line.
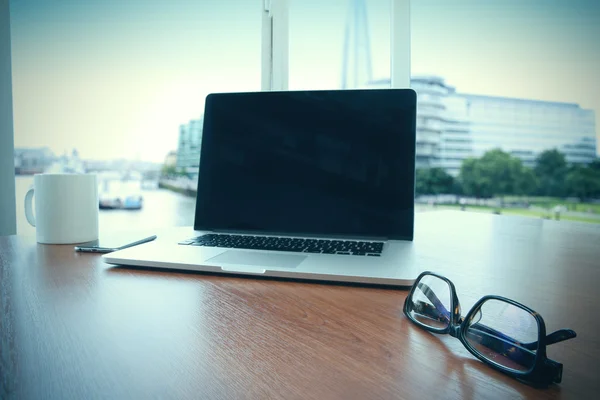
116, 79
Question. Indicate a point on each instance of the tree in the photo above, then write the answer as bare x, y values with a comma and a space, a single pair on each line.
527, 183
168, 170
583, 182
474, 181
434, 181
497, 173
551, 171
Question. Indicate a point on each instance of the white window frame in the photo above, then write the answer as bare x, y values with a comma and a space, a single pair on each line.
400, 44
275, 44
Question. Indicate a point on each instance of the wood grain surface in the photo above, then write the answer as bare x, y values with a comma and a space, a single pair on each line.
74, 327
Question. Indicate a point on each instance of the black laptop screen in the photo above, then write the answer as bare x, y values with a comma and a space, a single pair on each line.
316, 163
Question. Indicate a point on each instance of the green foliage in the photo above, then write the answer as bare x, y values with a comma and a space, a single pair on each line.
583, 182
473, 178
434, 181
168, 170
551, 170
497, 173
182, 172
528, 183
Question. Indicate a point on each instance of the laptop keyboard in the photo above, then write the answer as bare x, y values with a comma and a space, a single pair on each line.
325, 246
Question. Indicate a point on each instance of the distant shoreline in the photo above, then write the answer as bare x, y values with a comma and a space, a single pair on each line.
28, 172
185, 191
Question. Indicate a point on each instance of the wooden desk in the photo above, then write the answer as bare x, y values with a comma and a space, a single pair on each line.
74, 327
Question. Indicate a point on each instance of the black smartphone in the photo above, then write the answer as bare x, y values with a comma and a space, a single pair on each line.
112, 243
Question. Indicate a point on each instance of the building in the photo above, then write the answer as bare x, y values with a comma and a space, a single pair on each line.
33, 160
443, 137
430, 119
456, 142
188, 147
67, 164
452, 126
525, 128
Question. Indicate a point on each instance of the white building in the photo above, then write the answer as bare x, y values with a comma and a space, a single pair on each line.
32, 160
525, 128
452, 126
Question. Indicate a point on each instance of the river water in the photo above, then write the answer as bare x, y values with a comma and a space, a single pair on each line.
161, 209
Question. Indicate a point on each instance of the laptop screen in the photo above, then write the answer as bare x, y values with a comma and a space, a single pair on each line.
313, 163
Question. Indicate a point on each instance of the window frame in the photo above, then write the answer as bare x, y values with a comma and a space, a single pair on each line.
400, 44
8, 220
275, 44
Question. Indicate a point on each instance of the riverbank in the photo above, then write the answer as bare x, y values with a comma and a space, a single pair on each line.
181, 187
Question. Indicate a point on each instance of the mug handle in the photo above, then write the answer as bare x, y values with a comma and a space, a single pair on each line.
28, 207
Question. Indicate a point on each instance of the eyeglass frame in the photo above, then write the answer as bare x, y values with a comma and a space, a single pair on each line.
543, 372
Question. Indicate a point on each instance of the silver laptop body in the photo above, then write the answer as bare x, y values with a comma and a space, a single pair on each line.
325, 178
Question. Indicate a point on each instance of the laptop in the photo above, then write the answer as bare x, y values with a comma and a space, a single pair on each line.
314, 185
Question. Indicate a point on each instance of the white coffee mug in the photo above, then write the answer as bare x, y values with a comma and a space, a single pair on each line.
66, 208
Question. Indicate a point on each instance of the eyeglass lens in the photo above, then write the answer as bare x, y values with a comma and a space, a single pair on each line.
504, 334
430, 302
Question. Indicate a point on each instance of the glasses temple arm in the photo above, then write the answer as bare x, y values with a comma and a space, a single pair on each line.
522, 353
559, 336
555, 337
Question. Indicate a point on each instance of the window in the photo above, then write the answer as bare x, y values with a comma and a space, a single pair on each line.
120, 86
115, 85
524, 70
123, 83
339, 44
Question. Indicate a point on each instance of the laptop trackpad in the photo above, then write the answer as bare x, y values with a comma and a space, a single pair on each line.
258, 259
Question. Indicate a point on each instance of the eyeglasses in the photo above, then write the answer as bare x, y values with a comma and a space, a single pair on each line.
502, 333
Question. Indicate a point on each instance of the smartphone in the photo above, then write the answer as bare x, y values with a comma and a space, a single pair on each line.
112, 243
